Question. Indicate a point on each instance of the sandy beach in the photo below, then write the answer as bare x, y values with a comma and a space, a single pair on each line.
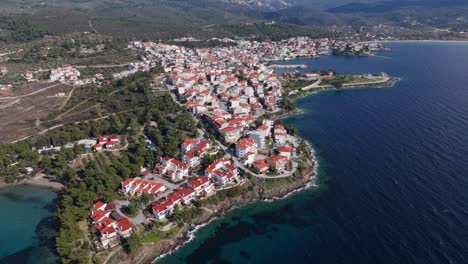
39, 180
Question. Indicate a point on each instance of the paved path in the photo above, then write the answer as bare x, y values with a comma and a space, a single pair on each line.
152, 177
140, 218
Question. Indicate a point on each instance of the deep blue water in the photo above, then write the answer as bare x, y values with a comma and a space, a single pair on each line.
26, 221
393, 184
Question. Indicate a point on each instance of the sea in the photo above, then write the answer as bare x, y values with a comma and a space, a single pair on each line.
393, 176
27, 225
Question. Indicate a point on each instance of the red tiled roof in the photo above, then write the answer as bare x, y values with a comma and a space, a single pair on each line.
158, 208
198, 181
98, 205
284, 149
108, 230
98, 215
124, 224
185, 192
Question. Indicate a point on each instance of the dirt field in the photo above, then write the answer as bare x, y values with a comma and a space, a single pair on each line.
22, 107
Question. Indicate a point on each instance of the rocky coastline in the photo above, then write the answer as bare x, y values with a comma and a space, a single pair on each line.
150, 253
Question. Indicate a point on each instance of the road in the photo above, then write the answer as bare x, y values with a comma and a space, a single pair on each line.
103, 66
140, 218
33, 93
68, 98
384, 80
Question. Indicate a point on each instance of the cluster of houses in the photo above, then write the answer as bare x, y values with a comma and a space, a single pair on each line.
65, 74
221, 171
110, 224
136, 186
108, 142
246, 148
197, 188
231, 94
193, 150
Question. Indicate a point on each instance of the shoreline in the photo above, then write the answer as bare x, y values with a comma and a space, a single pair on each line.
347, 86
307, 181
420, 41
38, 181
152, 253
311, 183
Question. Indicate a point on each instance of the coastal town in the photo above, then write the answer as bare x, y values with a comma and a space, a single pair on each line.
237, 97
230, 96
232, 131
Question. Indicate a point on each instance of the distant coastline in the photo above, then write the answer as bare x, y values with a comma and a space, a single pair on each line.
419, 41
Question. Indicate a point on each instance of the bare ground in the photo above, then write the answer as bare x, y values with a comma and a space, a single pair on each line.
20, 110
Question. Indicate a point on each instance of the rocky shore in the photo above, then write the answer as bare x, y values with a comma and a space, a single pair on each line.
148, 253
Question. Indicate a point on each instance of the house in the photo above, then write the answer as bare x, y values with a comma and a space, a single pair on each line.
312, 75
202, 185
109, 237
192, 159
105, 222
132, 186
99, 205
277, 163
102, 140
110, 144
98, 215
193, 150
113, 139
285, 151
230, 134
259, 138
165, 206
186, 195
279, 134
172, 169
246, 149
261, 166
124, 227
160, 211
264, 129
222, 170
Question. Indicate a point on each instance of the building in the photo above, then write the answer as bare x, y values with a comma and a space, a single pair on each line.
277, 163
202, 186
109, 237
193, 150
259, 138
246, 149
172, 169
137, 186
124, 227
222, 171
261, 166
285, 151
186, 195
230, 134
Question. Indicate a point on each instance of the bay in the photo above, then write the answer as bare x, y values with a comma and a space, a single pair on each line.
27, 225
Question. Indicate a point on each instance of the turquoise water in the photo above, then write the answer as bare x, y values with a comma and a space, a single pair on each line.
26, 221
393, 176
